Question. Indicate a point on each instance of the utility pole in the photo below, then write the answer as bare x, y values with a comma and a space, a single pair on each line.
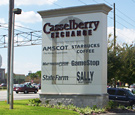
11, 7
114, 29
115, 80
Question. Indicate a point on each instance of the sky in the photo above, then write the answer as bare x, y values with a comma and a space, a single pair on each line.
28, 58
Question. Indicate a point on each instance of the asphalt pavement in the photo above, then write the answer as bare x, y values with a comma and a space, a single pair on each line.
19, 96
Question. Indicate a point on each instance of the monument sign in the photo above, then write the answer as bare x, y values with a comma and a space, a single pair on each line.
74, 55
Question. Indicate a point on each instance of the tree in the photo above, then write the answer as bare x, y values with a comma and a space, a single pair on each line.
114, 62
38, 73
33, 75
114, 67
121, 63
128, 60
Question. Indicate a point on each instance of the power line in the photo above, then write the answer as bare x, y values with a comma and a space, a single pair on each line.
82, 2
95, 1
125, 20
125, 15
17, 29
16, 26
24, 27
108, 3
133, 1
123, 35
120, 11
23, 39
121, 25
55, 4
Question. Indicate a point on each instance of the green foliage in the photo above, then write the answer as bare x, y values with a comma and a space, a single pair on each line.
121, 63
133, 91
3, 88
71, 107
129, 107
111, 105
34, 102
114, 105
94, 107
59, 103
86, 110
121, 107
33, 75
47, 101
89, 110
38, 73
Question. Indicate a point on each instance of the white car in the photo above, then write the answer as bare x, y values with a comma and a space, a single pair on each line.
131, 89
35, 84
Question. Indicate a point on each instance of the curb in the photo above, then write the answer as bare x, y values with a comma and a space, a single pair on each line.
118, 114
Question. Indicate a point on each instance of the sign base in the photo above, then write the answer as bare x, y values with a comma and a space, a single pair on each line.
79, 100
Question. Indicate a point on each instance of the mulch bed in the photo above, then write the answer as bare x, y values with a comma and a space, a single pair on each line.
121, 111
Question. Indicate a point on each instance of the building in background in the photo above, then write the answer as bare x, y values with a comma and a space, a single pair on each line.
18, 78
2, 72
2, 76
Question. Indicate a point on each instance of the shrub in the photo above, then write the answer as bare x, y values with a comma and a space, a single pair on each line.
111, 105
94, 107
59, 103
129, 107
87, 110
121, 107
34, 102
47, 101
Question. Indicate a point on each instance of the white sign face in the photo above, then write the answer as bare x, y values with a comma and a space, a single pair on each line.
74, 54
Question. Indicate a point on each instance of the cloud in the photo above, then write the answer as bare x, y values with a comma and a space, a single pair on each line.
4, 2
28, 17
124, 35
2, 20
34, 2
29, 66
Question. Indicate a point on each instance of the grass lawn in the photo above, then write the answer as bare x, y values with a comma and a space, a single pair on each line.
21, 108
2, 88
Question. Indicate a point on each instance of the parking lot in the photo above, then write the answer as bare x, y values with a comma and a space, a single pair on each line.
19, 96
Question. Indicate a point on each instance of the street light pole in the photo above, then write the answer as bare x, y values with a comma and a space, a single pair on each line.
11, 7
11, 65
15, 11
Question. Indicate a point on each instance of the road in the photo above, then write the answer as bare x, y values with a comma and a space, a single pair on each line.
19, 96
